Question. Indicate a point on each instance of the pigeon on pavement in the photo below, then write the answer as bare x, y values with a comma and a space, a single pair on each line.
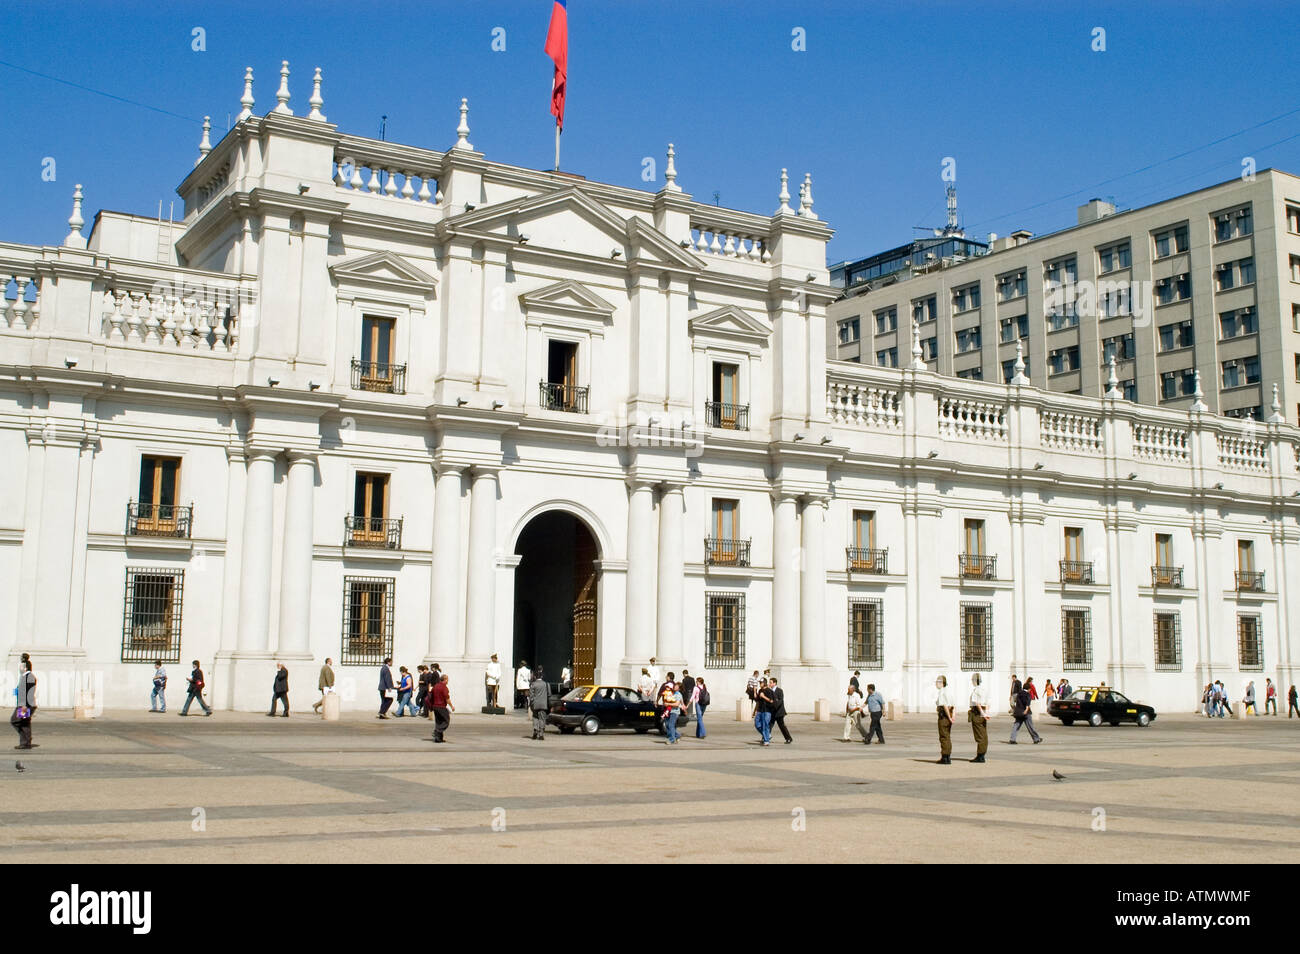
1057, 775
20, 767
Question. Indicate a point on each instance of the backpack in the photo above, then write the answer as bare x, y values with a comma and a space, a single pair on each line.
704, 697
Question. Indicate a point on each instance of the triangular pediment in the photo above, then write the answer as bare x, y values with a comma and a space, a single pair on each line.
731, 322
569, 298
650, 245
565, 220
385, 270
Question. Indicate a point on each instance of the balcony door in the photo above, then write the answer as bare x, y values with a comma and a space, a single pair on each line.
1074, 568
1164, 550
159, 477
864, 529
1245, 557
726, 393
377, 341
725, 531
370, 508
562, 373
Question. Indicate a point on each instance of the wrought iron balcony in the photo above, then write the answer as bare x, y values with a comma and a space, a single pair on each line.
974, 566
731, 417
373, 376
1250, 582
1074, 571
722, 551
863, 560
158, 520
557, 396
375, 533
1170, 576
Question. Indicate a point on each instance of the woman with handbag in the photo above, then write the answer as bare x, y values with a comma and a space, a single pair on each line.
21, 720
700, 700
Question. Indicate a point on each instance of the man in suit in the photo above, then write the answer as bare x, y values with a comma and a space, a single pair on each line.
385, 685
326, 681
539, 703
778, 709
280, 689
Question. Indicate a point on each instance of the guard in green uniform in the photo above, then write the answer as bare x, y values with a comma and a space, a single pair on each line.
943, 706
979, 717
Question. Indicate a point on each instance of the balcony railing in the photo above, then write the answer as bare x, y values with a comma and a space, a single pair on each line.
1074, 571
731, 417
558, 396
1170, 576
158, 520
373, 376
1250, 582
722, 551
375, 533
863, 560
972, 566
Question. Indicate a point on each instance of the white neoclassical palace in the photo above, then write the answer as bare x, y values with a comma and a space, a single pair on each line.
367, 399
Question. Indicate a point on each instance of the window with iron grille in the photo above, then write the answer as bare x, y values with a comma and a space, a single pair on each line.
866, 634
977, 636
1250, 642
151, 617
1169, 643
724, 627
367, 620
1076, 638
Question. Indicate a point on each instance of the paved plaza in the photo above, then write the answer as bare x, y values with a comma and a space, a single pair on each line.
133, 787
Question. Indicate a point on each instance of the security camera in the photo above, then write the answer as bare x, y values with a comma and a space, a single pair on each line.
70, 362
272, 381
498, 405
469, 206
303, 188
523, 238
1133, 476
1038, 466
461, 402
616, 253
313, 385
933, 454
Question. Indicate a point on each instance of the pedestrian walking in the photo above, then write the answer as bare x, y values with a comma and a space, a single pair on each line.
687, 688
491, 681
1207, 700
324, 685
1248, 699
764, 702
778, 709
442, 709
875, 706
671, 700
566, 676
435, 677
1015, 691
157, 698
855, 680
751, 692
1270, 697
853, 712
943, 706
280, 689
979, 716
1225, 706
539, 702
1063, 688
702, 702
1024, 716
405, 693
523, 679
1048, 695
386, 691
646, 684
25, 704
195, 693
1291, 702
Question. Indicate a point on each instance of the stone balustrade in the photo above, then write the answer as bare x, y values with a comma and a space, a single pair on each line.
971, 419
20, 297
356, 172
861, 405
1071, 432
1242, 452
1160, 442
182, 318
716, 240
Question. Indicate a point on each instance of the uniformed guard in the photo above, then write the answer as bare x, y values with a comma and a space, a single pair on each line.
979, 717
943, 705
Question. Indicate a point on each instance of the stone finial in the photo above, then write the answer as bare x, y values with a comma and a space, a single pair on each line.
670, 173
1199, 404
1276, 417
462, 130
1019, 377
205, 144
316, 102
282, 94
1112, 379
784, 196
918, 359
247, 99
805, 197
75, 221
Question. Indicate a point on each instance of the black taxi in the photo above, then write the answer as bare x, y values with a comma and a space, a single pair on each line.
593, 708
1098, 704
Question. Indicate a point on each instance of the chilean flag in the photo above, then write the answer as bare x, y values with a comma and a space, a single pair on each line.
557, 48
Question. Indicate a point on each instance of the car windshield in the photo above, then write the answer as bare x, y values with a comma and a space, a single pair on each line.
577, 694
1080, 695
1116, 697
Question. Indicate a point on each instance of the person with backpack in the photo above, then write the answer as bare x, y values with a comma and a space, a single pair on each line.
196, 690
701, 702
157, 699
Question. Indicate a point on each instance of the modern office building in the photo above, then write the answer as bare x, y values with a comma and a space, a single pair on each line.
1207, 282
367, 399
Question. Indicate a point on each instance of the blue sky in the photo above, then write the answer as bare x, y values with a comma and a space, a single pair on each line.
1037, 120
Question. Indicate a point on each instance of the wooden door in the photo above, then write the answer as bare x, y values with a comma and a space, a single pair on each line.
584, 609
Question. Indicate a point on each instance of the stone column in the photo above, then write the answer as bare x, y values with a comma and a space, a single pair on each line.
255, 574
444, 581
812, 595
785, 581
640, 605
482, 564
296, 559
669, 645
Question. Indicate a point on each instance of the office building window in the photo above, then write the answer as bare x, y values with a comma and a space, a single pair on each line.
1063, 271
925, 309
1113, 257
1234, 274
1012, 285
1178, 335
1238, 372
1063, 360
1170, 241
1130, 389
966, 298
1174, 288
971, 374
1014, 328
1295, 268
968, 339
850, 330
1238, 323
887, 358
1232, 224
1177, 383
1293, 220
886, 320
1116, 301
1119, 347
929, 348
1009, 369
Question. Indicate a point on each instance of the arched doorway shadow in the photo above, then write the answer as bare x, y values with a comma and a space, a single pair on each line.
555, 611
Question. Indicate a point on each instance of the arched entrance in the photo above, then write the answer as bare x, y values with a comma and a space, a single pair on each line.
555, 596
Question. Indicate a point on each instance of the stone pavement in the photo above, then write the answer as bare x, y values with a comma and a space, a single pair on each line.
132, 787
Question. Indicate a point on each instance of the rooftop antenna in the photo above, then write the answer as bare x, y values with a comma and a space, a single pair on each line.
951, 228
717, 197
383, 127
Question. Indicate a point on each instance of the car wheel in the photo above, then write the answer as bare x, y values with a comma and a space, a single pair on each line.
566, 730
1143, 719
590, 725
1067, 722
1094, 719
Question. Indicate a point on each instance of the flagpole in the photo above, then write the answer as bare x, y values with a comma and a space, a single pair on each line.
557, 147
